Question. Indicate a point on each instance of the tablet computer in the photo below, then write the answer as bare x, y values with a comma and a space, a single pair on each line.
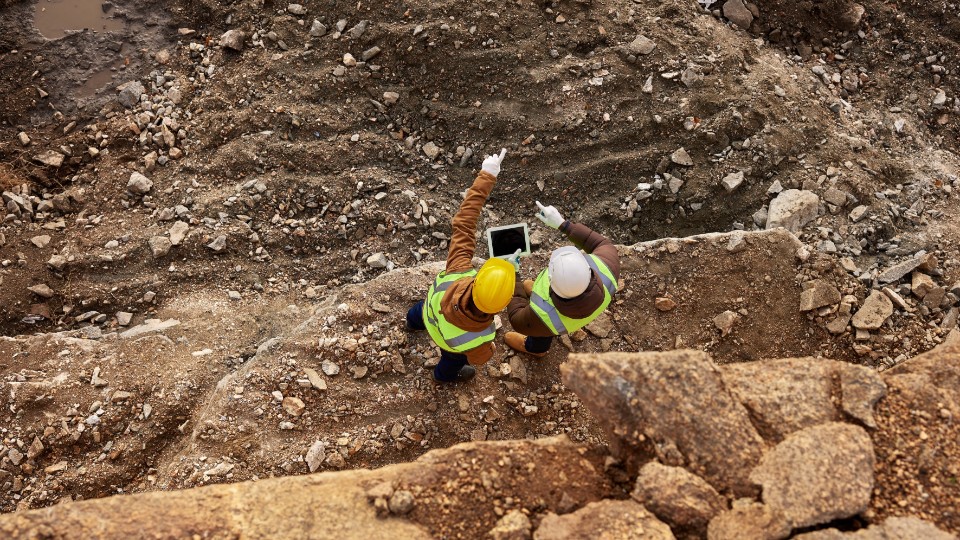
505, 240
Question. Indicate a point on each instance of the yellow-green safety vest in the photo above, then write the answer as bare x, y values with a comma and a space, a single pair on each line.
446, 335
557, 322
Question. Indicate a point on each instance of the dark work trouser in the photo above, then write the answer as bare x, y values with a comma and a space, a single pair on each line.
538, 344
450, 363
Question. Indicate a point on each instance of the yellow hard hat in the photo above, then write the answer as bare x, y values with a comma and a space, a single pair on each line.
493, 286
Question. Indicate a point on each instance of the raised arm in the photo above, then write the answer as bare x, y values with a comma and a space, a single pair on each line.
463, 243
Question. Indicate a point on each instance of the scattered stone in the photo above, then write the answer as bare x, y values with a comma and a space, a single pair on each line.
234, 295
50, 158
315, 455
894, 528
681, 157
36, 448
24, 138
818, 293
16, 456
875, 310
431, 150
737, 12
370, 53
130, 93
391, 98
602, 326
377, 260
42, 290
732, 181
41, 241
139, 184
664, 304
809, 482
691, 77
329, 368
725, 321
792, 209
858, 213
159, 246
897, 272
124, 318
641, 45
178, 232
921, 284
349, 60
233, 39
219, 243
296, 9
849, 19
315, 379
150, 325
318, 29
737, 242
294, 406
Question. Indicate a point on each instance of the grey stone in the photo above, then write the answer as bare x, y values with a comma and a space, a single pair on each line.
233, 39
641, 45
178, 232
159, 246
725, 321
130, 94
315, 379
792, 209
377, 260
219, 243
732, 181
875, 310
296, 9
42, 290
670, 405
681, 157
318, 29
401, 502
431, 150
737, 12
860, 388
124, 318
818, 293
150, 325
49, 158
139, 184
898, 271
858, 213
315, 455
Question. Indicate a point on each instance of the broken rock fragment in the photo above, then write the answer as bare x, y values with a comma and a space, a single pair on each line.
625, 520
682, 499
792, 209
875, 310
818, 293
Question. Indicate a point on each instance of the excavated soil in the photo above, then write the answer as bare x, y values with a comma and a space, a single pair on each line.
306, 163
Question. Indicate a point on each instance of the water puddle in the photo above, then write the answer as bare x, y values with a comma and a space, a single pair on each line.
53, 18
96, 81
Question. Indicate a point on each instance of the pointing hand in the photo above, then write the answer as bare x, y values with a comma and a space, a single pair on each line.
550, 216
492, 163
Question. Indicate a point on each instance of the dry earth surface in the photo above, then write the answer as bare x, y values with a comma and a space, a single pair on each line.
215, 214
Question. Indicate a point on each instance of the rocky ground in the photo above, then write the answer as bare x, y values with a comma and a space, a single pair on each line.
214, 218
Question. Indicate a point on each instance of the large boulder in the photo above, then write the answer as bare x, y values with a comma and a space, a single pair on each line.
604, 520
681, 499
818, 474
790, 394
748, 519
670, 405
895, 528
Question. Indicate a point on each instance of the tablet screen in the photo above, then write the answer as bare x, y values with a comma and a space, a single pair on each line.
507, 241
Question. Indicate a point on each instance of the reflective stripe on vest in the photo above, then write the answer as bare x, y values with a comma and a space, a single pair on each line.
446, 335
559, 324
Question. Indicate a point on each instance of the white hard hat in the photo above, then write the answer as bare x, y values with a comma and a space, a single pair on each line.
569, 272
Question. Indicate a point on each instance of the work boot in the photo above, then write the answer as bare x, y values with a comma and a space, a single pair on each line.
518, 342
528, 286
466, 373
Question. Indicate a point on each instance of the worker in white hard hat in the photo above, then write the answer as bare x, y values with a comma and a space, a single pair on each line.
574, 289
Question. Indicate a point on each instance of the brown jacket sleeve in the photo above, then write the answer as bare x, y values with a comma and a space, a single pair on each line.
594, 243
463, 243
523, 319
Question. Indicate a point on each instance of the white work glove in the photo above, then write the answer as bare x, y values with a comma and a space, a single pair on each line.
492, 163
515, 260
550, 216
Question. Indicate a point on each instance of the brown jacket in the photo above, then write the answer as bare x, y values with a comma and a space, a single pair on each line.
457, 303
524, 320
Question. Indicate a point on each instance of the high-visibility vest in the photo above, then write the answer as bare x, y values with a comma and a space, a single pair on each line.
557, 322
446, 335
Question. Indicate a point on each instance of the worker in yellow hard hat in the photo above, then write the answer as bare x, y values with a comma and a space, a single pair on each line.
461, 302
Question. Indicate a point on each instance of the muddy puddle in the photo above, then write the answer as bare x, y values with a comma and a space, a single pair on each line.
55, 18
